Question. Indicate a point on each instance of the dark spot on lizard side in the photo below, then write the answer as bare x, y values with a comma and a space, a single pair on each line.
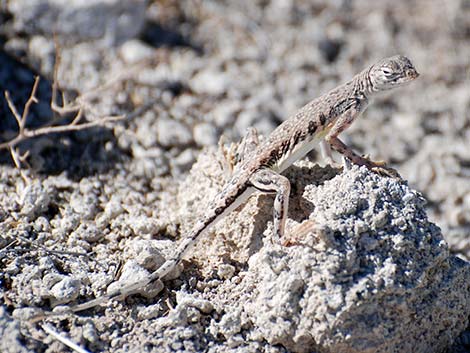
219, 210
270, 159
312, 126
342, 106
298, 137
274, 154
369, 80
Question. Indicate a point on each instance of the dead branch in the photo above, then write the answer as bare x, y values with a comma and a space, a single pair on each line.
67, 341
77, 107
25, 133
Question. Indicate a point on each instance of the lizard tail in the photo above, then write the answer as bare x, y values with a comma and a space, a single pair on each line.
158, 274
225, 201
220, 207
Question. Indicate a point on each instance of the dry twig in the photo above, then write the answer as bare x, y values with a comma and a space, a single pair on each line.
50, 251
78, 106
63, 339
24, 133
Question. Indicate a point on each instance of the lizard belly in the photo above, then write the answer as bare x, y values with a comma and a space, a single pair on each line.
238, 202
297, 153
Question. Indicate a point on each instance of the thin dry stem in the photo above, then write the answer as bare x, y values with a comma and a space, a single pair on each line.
78, 107
64, 128
69, 343
18, 159
55, 77
32, 99
77, 117
12, 108
24, 133
65, 108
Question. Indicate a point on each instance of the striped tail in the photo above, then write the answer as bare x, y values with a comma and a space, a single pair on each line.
226, 201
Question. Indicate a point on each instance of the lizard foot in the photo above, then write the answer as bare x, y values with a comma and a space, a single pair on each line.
333, 164
387, 171
380, 167
299, 233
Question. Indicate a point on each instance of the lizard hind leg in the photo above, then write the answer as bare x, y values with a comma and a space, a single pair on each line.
268, 181
247, 145
237, 152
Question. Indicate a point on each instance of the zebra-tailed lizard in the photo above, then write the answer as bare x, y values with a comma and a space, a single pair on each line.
260, 168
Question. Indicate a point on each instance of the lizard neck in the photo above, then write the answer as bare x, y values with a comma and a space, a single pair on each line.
363, 85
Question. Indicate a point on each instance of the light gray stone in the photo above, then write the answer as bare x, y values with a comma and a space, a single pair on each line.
205, 134
143, 225
183, 161
79, 20
172, 133
147, 254
398, 294
10, 332
135, 50
132, 272
85, 204
35, 199
65, 290
210, 81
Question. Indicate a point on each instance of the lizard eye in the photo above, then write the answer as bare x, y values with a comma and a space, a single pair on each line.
386, 71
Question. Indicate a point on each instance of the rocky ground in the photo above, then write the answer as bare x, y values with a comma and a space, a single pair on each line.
382, 264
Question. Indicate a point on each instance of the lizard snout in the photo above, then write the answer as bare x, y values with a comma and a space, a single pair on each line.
412, 73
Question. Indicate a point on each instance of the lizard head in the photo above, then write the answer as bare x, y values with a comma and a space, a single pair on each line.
392, 72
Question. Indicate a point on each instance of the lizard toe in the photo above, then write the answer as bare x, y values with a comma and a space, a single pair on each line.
386, 171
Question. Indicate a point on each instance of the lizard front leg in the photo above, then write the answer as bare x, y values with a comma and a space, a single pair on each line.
266, 180
327, 154
378, 167
332, 139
